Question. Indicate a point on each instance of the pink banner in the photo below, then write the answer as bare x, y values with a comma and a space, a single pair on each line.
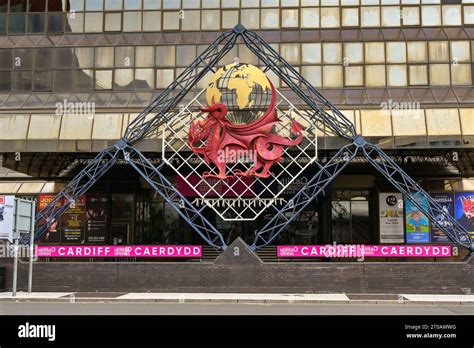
356, 250
119, 251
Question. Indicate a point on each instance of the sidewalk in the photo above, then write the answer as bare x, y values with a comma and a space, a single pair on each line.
238, 298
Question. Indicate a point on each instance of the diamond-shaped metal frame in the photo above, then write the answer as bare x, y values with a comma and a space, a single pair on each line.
323, 114
247, 203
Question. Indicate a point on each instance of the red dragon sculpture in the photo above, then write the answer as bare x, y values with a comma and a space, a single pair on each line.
221, 136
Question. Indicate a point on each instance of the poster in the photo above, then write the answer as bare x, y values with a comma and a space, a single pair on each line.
52, 234
464, 203
446, 201
7, 204
74, 222
391, 218
417, 225
96, 218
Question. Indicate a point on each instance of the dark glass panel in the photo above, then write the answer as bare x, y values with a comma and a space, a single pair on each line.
42, 80
5, 81
22, 81
36, 23
17, 24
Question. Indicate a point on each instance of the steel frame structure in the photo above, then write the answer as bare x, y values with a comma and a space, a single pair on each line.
323, 113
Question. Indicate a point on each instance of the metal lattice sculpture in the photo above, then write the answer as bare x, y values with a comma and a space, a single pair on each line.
321, 114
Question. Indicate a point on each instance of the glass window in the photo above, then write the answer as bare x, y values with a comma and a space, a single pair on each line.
113, 5
310, 17
94, 5
332, 76
191, 20
18, 5
350, 17
374, 52
270, 19
461, 74
250, 18
133, 4
145, 56
443, 121
290, 52
152, 21
151, 4
311, 52
113, 21
418, 75
76, 22
36, 23
103, 79
165, 56
391, 16
104, 57
330, 17
396, 75
132, 21
354, 76
124, 56
235, 3
468, 14
63, 57
171, 20
411, 15
22, 81
62, 81
431, 15
374, 75
43, 80
230, 19
191, 3
77, 5
439, 74
439, 51
396, 52
211, 3
451, 14
44, 58
185, 55
332, 53
354, 52
82, 80
23, 58
17, 23
5, 81
145, 79
290, 18
164, 77
417, 51
171, 4
460, 51
93, 22
211, 20
312, 74
7, 58
123, 79
370, 16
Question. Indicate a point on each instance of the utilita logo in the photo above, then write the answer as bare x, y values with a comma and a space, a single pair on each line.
37, 331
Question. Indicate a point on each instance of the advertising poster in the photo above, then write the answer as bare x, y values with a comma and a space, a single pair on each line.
52, 235
96, 218
7, 204
446, 201
74, 222
464, 203
417, 225
391, 218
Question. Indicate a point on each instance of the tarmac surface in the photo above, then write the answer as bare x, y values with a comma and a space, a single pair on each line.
133, 308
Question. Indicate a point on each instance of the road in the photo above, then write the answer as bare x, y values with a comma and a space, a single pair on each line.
229, 309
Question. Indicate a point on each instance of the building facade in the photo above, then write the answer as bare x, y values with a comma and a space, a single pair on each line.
75, 73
